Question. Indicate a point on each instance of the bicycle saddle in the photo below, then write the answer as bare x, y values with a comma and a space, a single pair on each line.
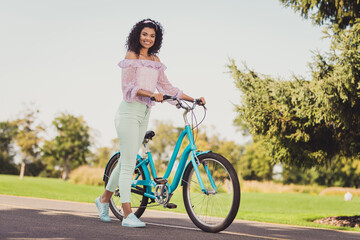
149, 135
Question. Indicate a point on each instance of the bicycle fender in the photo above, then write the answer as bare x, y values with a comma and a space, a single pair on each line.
197, 154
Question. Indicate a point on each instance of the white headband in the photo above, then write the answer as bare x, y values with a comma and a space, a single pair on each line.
149, 21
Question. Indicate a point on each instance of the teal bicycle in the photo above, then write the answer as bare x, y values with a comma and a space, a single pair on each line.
211, 189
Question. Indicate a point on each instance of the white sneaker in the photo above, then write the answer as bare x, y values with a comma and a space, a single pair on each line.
132, 221
103, 209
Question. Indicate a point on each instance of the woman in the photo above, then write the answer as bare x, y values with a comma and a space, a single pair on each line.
142, 73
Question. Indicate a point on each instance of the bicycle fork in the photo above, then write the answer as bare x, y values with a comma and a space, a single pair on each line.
196, 163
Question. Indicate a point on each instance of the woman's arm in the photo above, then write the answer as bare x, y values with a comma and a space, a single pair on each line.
143, 93
160, 97
190, 99
165, 86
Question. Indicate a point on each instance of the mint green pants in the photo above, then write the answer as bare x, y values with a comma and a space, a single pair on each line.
131, 122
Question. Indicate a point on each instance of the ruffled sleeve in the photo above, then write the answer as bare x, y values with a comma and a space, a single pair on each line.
128, 84
145, 75
164, 86
142, 63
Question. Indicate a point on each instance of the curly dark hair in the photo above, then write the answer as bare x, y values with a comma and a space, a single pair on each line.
133, 40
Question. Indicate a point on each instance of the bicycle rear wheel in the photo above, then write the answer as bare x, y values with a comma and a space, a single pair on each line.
138, 200
215, 211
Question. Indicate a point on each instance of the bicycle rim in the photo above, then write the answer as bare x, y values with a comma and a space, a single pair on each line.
216, 210
138, 201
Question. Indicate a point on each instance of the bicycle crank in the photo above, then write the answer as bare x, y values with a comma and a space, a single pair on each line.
162, 194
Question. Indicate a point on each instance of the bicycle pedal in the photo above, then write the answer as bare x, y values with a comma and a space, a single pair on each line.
171, 205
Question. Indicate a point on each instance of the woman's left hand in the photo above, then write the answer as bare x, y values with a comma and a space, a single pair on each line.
202, 100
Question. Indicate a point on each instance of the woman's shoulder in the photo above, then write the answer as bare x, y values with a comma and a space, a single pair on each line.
129, 61
131, 55
157, 59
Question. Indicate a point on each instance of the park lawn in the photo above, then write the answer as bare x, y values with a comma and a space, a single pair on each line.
285, 208
50, 188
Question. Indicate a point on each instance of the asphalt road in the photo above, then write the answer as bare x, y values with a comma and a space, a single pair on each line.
34, 218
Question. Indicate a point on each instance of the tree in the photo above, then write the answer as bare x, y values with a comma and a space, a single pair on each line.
28, 138
7, 135
166, 136
344, 172
255, 164
296, 175
70, 146
164, 142
229, 149
307, 122
341, 12
102, 155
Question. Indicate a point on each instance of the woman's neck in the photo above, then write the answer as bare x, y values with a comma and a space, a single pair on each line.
144, 52
145, 55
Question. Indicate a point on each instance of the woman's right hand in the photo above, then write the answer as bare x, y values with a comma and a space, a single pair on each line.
158, 97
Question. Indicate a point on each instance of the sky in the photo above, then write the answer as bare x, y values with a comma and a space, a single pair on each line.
62, 56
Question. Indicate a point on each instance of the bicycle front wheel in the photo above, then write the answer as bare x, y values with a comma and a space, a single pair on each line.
138, 200
215, 210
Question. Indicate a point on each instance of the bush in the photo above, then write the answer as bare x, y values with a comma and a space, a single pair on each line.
50, 173
338, 191
8, 168
273, 187
87, 175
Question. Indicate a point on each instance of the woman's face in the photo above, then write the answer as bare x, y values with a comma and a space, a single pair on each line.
147, 37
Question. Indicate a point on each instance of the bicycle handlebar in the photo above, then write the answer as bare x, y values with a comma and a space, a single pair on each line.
165, 97
179, 104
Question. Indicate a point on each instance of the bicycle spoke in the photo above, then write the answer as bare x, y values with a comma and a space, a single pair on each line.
138, 200
197, 185
215, 209
200, 200
211, 209
220, 209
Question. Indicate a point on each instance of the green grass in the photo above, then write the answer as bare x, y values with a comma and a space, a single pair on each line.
296, 208
48, 188
286, 208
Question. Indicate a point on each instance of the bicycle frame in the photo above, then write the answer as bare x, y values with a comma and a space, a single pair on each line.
189, 150
211, 206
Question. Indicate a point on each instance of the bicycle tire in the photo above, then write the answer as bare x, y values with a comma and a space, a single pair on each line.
138, 200
225, 201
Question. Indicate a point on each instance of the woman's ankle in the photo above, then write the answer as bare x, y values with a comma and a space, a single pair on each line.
104, 199
126, 209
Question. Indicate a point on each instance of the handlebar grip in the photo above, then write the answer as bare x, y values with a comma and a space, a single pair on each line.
199, 102
165, 97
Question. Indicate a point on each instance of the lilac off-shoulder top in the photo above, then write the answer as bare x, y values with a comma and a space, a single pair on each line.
145, 75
